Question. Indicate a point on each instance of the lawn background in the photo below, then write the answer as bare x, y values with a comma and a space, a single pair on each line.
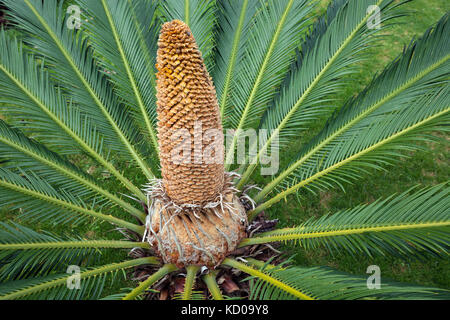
423, 167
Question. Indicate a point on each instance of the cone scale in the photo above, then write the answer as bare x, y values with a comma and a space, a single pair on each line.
195, 218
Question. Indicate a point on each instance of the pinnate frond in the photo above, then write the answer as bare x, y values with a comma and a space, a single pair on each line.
269, 50
30, 98
42, 202
327, 284
18, 151
55, 287
234, 24
405, 225
71, 60
25, 253
335, 44
121, 41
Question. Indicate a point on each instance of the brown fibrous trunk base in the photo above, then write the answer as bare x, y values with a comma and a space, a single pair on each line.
230, 280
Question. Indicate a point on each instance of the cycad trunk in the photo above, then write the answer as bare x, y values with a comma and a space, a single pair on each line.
195, 216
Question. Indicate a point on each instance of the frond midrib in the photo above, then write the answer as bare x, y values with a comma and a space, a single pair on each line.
144, 285
211, 283
265, 277
74, 244
189, 283
186, 12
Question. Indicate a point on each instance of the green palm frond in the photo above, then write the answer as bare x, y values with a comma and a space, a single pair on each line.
329, 54
42, 202
200, 17
327, 284
118, 39
35, 259
269, 51
19, 151
30, 95
55, 287
78, 71
234, 23
410, 96
402, 225
26, 253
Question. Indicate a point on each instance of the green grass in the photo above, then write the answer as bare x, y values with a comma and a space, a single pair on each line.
424, 167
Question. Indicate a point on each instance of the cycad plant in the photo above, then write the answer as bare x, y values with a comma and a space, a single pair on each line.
114, 87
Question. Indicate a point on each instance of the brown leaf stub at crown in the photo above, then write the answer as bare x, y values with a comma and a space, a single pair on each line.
186, 96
